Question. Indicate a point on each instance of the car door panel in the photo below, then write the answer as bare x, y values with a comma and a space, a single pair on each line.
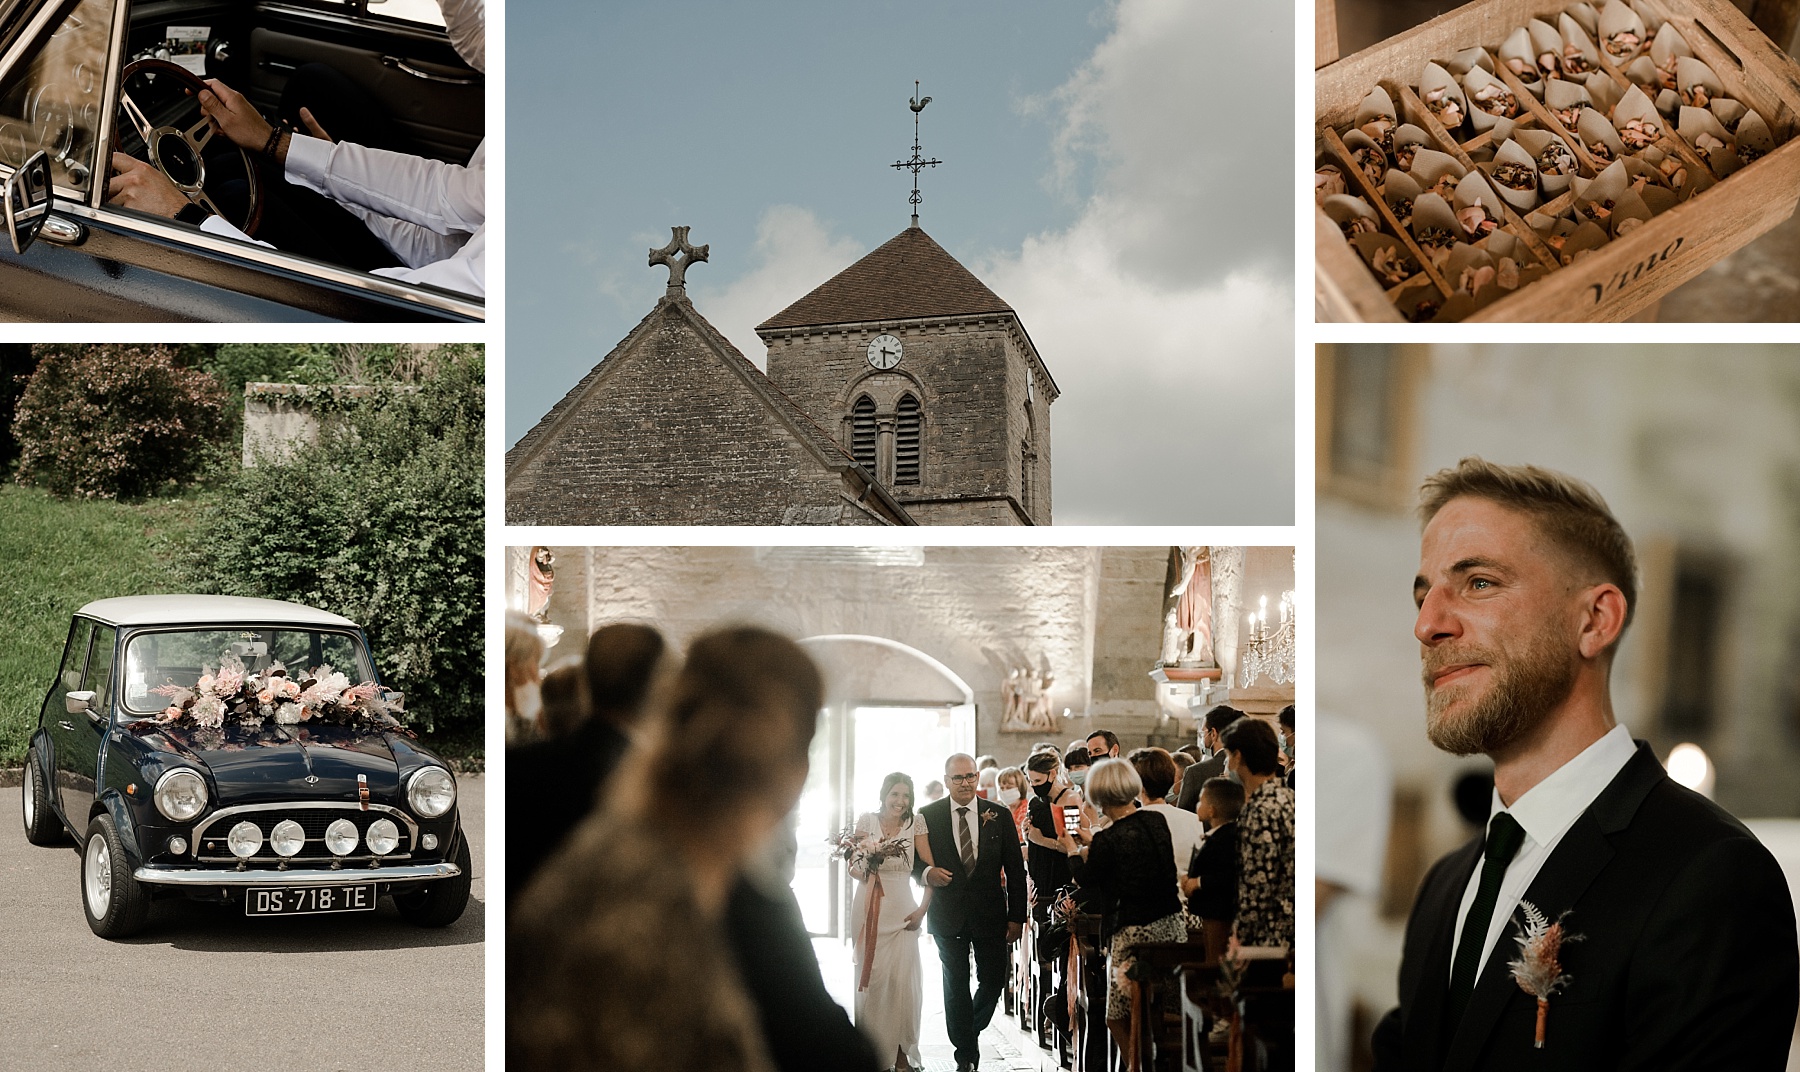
116, 274
72, 740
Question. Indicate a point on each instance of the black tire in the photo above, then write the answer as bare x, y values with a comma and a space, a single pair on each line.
441, 903
115, 904
42, 827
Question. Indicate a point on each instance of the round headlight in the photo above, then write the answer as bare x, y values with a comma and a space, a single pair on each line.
181, 795
245, 838
431, 792
340, 837
383, 836
287, 838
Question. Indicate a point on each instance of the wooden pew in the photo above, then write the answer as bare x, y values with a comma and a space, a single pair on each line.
1157, 1028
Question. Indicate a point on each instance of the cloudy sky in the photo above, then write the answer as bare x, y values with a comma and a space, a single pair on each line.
1086, 180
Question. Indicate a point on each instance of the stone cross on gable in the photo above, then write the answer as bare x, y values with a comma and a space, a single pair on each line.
677, 255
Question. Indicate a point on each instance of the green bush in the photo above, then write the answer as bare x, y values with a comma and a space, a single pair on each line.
116, 422
380, 521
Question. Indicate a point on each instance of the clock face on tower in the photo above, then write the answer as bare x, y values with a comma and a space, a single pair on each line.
884, 352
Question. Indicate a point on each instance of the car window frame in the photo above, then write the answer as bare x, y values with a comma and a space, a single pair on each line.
127, 713
20, 50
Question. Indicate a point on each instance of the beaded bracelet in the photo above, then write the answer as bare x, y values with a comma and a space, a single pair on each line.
275, 134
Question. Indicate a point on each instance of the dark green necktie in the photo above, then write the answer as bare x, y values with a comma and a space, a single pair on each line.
1503, 840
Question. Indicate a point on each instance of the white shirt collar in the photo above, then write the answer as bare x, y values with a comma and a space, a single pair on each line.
1550, 807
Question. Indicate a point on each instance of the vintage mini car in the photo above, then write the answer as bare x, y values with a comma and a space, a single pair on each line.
82, 79
185, 758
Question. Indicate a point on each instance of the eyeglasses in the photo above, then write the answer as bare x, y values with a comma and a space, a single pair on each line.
962, 777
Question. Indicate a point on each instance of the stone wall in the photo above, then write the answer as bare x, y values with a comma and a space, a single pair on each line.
676, 437
281, 417
974, 381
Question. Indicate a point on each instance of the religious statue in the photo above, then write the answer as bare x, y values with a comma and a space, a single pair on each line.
541, 578
1227, 599
1024, 692
1187, 619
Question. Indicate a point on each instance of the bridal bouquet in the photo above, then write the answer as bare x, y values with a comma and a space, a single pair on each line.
865, 851
252, 699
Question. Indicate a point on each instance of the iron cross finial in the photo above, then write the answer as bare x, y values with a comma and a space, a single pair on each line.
677, 255
918, 161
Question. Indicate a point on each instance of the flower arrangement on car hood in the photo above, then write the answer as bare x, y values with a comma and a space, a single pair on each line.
251, 699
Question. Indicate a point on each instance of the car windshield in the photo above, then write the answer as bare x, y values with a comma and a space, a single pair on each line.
181, 657
54, 101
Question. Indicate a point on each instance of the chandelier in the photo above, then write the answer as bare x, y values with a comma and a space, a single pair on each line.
1269, 651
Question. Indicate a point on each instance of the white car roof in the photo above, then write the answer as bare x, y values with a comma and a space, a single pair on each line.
190, 609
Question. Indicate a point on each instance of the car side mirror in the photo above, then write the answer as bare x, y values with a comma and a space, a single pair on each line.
28, 195
80, 703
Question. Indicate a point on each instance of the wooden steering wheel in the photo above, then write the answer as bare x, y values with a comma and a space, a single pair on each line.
177, 146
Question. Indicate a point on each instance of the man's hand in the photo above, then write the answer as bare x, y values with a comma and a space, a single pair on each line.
1014, 931
937, 876
235, 117
137, 185
313, 127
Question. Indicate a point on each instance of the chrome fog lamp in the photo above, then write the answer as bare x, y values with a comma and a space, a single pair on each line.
177, 846
245, 838
383, 837
180, 795
431, 791
428, 841
340, 837
288, 838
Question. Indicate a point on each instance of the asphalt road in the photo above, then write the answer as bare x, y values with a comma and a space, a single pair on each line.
203, 987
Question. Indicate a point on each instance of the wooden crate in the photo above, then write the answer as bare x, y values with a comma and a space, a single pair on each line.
1626, 274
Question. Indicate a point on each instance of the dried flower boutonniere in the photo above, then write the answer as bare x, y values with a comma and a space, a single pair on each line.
1538, 971
986, 817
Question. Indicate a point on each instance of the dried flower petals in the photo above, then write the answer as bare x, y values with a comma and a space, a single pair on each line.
1372, 161
1625, 227
1403, 211
1356, 225
1747, 153
1476, 220
1601, 150
1639, 134
1388, 266
1474, 278
1598, 211
1697, 96
1556, 159
1380, 130
1445, 187
1515, 176
1447, 108
1622, 44
1706, 145
1507, 275
1496, 99
1568, 117
1550, 64
1403, 155
1574, 62
1328, 181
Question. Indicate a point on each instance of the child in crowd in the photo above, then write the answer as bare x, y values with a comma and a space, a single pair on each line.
1211, 885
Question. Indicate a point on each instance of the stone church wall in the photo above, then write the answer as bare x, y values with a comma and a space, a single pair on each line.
676, 439
974, 387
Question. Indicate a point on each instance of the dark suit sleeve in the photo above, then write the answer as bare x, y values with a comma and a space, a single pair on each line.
1013, 864
1190, 788
1715, 978
805, 1029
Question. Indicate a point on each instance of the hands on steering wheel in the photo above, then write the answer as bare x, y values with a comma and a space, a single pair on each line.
175, 174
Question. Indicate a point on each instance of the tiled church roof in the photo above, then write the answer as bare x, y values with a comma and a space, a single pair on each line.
909, 276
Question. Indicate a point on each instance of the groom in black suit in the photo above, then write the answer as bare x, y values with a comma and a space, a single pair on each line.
978, 904
1686, 957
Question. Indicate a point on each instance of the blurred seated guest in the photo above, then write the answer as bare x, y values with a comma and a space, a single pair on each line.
524, 653
564, 691
1212, 726
1211, 884
617, 957
1013, 794
985, 762
1192, 751
1265, 836
1129, 869
934, 791
987, 783
1156, 770
553, 784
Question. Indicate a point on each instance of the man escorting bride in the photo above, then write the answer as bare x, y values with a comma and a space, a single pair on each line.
890, 996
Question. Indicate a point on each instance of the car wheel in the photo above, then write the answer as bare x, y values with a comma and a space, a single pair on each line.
41, 824
116, 904
441, 903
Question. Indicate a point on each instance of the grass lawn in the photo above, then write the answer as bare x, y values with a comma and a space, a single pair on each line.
56, 555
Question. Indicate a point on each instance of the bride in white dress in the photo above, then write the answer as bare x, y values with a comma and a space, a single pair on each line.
890, 995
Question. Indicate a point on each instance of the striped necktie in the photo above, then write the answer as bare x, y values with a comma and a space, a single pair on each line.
962, 840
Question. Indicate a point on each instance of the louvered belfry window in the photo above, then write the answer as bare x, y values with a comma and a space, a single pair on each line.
862, 432
906, 441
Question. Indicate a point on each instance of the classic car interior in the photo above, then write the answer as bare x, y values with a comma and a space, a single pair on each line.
68, 90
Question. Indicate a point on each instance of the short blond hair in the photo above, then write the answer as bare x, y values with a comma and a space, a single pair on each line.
1113, 783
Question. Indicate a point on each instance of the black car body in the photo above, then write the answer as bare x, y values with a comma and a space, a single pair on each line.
60, 68
102, 757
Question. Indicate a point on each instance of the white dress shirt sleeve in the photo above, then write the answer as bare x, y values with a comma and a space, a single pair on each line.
466, 23
445, 198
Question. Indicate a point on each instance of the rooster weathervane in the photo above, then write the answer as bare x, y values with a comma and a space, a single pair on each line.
918, 161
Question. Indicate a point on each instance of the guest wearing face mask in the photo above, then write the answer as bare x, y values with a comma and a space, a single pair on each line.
1076, 762
1012, 794
1212, 732
524, 654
